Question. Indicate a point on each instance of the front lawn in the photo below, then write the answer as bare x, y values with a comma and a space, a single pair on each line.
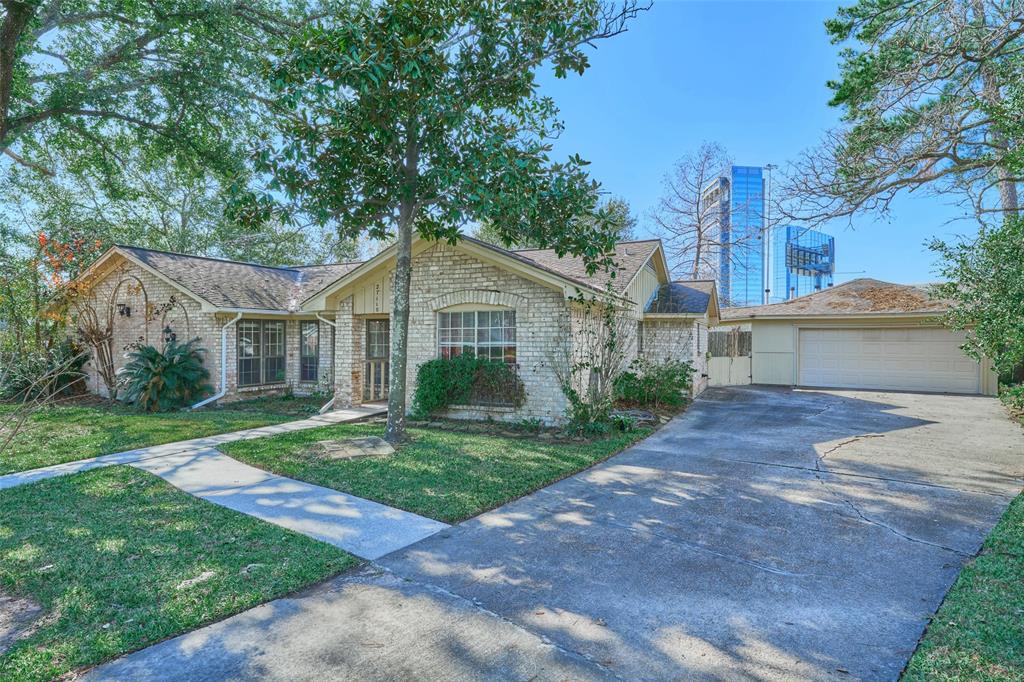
440, 473
118, 560
94, 427
978, 632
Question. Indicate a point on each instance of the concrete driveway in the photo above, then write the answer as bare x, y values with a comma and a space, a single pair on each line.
767, 534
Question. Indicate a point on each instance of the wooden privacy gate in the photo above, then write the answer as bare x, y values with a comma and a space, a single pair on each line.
375, 369
729, 364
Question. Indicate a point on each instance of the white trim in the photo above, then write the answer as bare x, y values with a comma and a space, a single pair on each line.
223, 365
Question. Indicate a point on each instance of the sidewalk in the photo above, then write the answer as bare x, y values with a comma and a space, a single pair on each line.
140, 454
362, 527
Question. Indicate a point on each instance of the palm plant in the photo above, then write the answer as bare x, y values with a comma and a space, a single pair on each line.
160, 381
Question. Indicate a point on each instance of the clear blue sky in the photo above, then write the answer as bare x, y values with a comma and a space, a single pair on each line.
749, 75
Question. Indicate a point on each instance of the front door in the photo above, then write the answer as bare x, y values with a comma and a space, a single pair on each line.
375, 370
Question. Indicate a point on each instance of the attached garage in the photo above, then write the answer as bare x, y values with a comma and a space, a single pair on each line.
925, 359
864, 334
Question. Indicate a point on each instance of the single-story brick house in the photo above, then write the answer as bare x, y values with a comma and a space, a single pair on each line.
863, 334
325, 328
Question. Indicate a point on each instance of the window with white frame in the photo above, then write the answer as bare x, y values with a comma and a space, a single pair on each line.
484, 333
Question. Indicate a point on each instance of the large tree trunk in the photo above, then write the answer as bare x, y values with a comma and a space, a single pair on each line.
16, 18
1008, 200
395, 430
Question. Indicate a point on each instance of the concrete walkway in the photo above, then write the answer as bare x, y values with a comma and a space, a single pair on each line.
362, 527
140, 454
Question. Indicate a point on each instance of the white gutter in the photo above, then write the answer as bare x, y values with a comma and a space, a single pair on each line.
223, 365
330, 403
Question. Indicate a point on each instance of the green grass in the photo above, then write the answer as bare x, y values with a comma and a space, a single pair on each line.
978, 632
60, 434
105, 554
439, 474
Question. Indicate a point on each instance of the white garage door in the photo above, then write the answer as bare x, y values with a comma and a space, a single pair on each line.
918, 359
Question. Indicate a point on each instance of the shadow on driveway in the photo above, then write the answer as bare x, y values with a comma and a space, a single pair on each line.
766, 534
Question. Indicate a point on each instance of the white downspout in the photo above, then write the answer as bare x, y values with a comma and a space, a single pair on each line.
223, 365
330, 403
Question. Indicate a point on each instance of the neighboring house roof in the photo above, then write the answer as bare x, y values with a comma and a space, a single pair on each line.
862, 296
233, 284
682, 297
630, 256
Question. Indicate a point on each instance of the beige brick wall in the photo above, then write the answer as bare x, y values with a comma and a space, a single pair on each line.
137, 289
443, 277
187, 321
684, 340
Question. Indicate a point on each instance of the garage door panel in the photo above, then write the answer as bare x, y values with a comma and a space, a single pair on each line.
912, 359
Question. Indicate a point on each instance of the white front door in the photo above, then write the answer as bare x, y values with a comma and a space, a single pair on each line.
905, 359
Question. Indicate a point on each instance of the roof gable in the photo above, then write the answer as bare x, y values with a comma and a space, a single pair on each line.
542, 265
630, 257
235, 285
684, 297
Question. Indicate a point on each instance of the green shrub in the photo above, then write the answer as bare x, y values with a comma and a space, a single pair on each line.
160, 381
651, 384
465, 380
1013, 396
57, 372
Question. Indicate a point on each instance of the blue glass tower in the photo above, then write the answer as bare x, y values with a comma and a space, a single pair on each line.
737, 200
803, 261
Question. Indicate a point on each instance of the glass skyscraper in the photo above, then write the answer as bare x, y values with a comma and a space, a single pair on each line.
736, 201
803, 261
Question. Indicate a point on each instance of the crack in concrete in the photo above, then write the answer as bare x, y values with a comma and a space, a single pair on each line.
819, 470
892, 530
850, 441
903, 481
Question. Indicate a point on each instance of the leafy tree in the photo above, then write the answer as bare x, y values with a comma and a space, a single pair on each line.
616, 211
931, 95
155, 205
425, 116
618, 214
93, 75
986, 284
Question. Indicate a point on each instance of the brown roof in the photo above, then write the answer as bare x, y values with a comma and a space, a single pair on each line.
249, 286
233, 284
681, 297
630, 257
856, 297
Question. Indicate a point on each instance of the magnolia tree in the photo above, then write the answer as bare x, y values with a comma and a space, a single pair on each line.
402, 117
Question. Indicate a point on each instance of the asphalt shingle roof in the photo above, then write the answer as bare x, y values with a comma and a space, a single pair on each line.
858, 296
232, 284
630, 257
682, 297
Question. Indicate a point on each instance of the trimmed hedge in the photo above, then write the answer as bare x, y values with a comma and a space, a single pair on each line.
650, 384
465, 380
